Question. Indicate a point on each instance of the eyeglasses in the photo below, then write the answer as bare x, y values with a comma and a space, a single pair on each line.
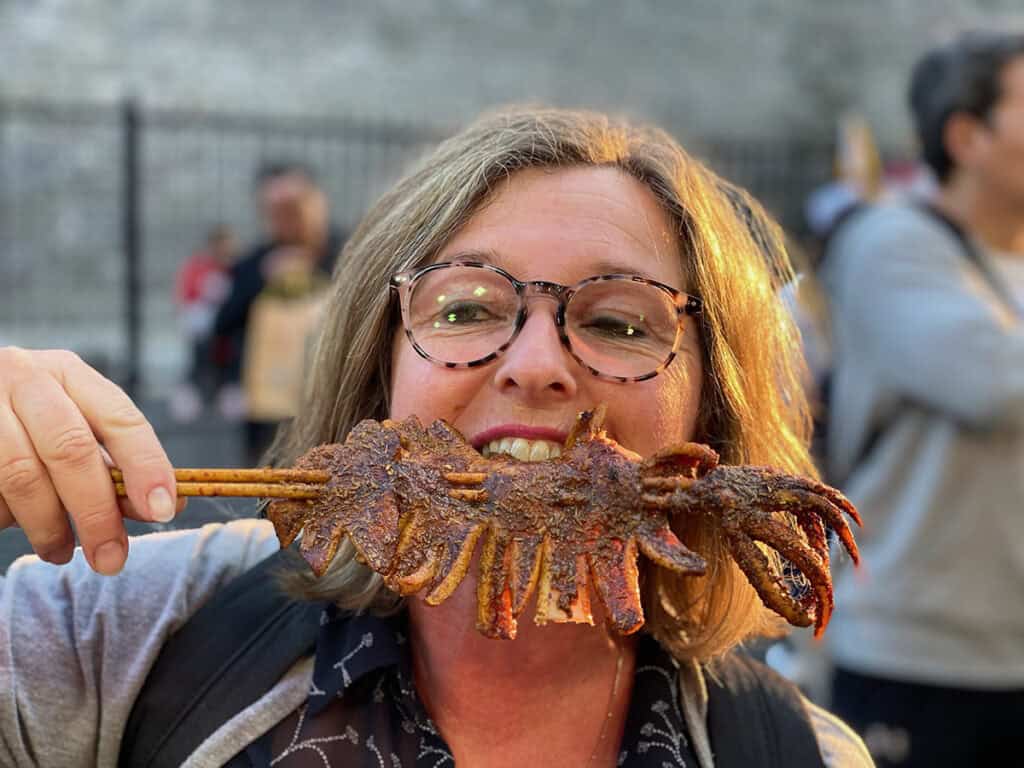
619, 327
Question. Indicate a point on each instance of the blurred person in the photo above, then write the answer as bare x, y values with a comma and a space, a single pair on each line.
862, 180
858, 181
927, 428
300, 251
858, 176
553, 197
201, 284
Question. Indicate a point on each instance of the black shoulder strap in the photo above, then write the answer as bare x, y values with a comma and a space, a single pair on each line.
839, 223
757, 717
970, 250
230, 653
958, 232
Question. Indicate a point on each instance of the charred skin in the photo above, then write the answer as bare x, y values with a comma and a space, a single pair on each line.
417, 503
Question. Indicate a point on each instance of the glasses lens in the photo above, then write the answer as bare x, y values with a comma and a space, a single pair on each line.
460, 314
622, 327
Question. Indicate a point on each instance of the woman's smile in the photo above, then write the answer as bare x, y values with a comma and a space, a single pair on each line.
526, 443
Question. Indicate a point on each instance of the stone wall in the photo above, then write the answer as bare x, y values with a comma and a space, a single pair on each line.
737, 67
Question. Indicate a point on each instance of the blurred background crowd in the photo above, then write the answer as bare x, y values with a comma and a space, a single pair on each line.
176, 183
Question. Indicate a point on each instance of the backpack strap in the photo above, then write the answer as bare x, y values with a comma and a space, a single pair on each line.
828, 238
757, 717
970, 250
225, 657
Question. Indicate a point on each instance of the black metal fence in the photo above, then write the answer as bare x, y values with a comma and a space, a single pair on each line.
100, 204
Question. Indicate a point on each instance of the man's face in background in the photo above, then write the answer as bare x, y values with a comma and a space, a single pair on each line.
1000, 159
293, 209
223, 247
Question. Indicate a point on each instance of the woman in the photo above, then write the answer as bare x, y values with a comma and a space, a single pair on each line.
535, 195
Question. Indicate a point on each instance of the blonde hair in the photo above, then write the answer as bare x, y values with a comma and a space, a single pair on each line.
753, 410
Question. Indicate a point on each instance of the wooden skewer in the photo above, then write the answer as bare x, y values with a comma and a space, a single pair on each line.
257, 483
263, 475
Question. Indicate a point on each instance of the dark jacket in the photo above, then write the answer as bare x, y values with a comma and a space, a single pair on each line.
247, 282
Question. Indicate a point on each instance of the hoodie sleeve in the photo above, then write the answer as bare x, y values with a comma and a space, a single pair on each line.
75, 647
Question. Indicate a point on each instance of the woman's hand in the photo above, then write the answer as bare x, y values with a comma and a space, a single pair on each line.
55, 414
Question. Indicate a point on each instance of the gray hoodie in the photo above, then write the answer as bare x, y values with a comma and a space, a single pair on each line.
918, 331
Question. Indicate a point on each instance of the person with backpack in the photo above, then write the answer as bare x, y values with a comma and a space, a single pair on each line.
926, 427
192, 651
275, 282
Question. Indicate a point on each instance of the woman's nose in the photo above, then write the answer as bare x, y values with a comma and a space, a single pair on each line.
538, 364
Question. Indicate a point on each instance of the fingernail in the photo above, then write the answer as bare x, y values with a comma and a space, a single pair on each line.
57, 556
109, 558
161, 509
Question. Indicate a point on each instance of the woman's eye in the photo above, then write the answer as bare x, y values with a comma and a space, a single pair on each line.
615, 327
463, 313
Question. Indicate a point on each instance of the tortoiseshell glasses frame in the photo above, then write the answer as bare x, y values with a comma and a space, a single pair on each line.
405, 282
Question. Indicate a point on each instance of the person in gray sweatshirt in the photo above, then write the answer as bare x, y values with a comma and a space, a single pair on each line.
926, 428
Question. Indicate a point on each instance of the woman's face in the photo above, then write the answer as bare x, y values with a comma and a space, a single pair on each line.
561, 226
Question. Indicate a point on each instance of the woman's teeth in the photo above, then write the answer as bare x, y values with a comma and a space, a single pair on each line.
523, 449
